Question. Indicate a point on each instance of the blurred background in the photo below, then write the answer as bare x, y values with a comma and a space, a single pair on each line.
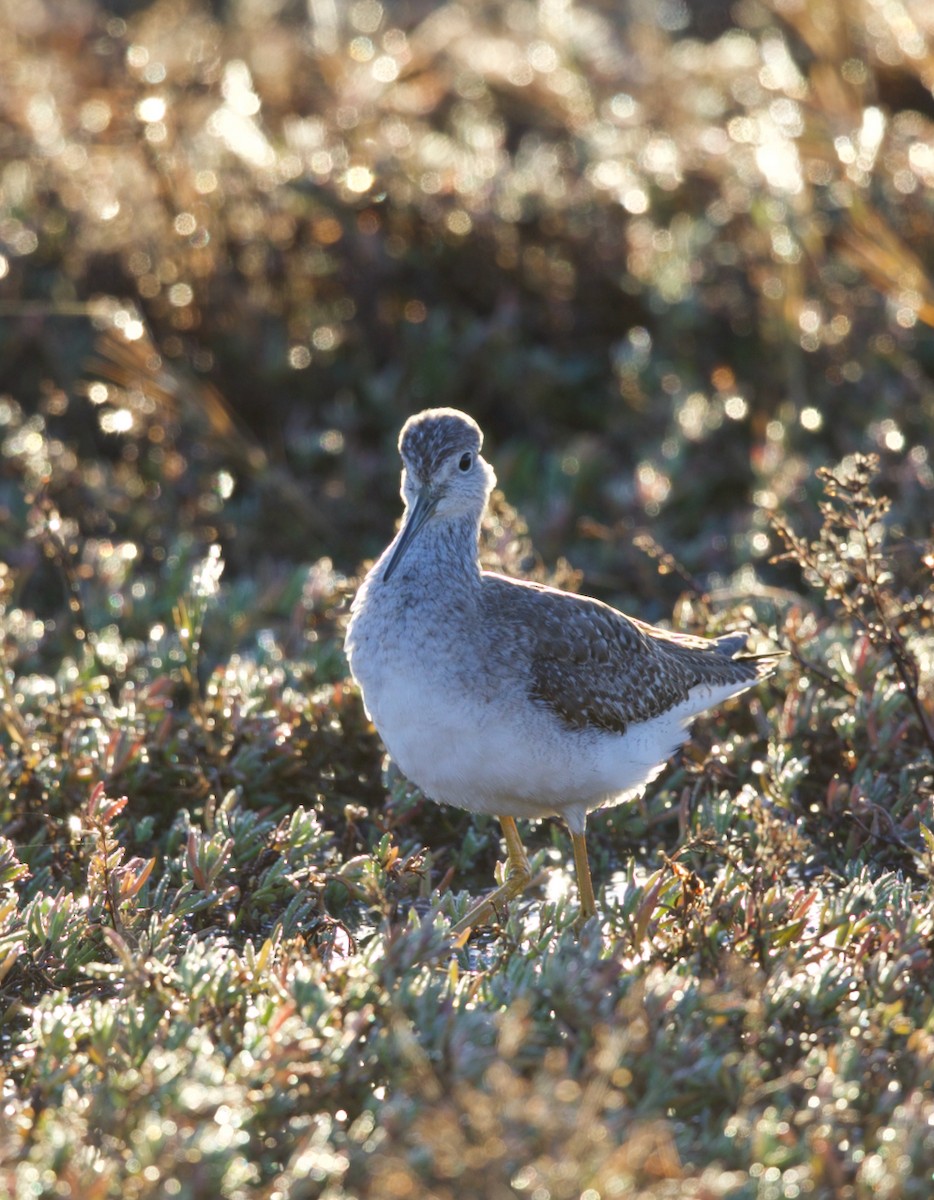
676, 257
672, 256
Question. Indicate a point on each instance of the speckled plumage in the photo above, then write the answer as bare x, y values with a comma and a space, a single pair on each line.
599, 669
507, 697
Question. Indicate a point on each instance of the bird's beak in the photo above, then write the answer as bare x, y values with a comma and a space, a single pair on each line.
425, 504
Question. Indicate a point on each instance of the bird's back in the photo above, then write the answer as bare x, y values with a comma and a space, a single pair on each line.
597, 668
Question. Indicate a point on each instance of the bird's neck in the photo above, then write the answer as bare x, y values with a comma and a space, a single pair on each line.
443, 556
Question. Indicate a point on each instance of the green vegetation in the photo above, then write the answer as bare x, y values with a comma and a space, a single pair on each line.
674, 263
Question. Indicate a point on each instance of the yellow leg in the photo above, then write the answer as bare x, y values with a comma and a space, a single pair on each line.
584, 881
516, 880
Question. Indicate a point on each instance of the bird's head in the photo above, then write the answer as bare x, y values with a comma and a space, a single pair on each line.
444, 475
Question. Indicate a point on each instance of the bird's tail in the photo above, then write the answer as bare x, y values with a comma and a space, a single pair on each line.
731, 644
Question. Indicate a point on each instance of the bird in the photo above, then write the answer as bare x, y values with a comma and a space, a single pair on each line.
508, 697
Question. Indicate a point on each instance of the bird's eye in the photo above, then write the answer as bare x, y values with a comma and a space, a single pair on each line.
466, 462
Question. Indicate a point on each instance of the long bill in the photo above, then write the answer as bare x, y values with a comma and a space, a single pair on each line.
418, 514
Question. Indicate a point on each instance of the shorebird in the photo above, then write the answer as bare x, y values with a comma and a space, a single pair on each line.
506, 697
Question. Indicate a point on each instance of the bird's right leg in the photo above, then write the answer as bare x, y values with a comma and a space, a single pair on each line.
516, 879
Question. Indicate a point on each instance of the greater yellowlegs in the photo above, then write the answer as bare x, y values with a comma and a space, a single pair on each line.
507, 697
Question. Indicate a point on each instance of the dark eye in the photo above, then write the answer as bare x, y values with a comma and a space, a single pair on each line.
466, 462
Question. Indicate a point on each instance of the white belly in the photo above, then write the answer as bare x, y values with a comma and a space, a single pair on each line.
521, 761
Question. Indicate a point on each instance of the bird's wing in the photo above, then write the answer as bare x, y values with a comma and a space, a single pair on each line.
596, 667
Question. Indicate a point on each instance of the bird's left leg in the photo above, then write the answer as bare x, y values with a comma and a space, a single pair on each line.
584, 880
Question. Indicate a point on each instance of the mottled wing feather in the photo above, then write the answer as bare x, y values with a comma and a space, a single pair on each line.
597, 668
